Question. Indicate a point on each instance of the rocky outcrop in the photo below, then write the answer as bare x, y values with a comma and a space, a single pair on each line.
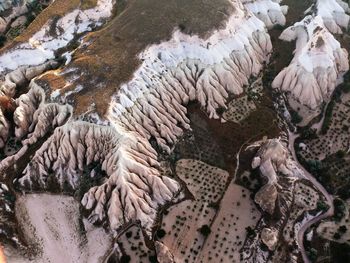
133, 188
42, 46
163, 253
273, 158
34, 116
334, 14
188, 68
9, 10
268, 11
23, 75
318, 63
269, 238
152, 104
4, 129
275, 198
266, 198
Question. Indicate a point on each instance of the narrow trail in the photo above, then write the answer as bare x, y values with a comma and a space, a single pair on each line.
319, 187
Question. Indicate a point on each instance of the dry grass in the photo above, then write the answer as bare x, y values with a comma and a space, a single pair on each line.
57, 8
111, 57
87, 4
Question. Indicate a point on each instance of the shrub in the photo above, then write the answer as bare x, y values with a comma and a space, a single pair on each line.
2, 40
160, 233
125, 259
312, 253
205, 230
296, 118
322, 206
342, 229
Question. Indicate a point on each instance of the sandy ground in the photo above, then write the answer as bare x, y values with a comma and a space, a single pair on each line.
51, 225
207, 184
237, 211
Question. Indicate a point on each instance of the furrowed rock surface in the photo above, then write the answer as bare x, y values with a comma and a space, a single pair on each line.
188, 68
9, 10
276, 166
152, 104
268, 11
163, 253
128, 186
133, 188
317, 66
273, 159
22, 75
334, 14
4, 129
43, 45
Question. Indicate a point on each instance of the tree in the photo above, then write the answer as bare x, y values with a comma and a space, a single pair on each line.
336, 236
160, 233
322, 206
250, 231
125, 259
312, 253
342, 229
205, 230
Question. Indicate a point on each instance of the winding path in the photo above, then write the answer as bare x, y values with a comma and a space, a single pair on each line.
329, 200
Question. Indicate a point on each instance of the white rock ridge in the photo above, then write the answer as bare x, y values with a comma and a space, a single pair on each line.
42, 46
18, 8
37, 117
151, 104
133, 188
334, 14
187, 68
268, 11
4, 129
20, 76
273, 160
318, 64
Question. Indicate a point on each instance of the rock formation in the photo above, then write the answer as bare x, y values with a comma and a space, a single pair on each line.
11, 10
151, 104
133, 188
269, 237
163, 253
44, 43
268, 11
334, 14
318, 63
188, 68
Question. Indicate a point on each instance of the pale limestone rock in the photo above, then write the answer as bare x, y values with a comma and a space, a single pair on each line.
318, 63
34, 115
133, 188
163, 253
188, 68
334, 14
269, 237
4, 129
42, 46
22, 75
266, 198
13, 9
273, 160
268, 11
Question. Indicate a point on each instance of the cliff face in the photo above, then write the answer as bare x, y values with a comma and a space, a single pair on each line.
319, 61
173, 73
97, 96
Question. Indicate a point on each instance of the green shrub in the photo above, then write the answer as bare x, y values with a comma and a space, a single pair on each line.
205, 230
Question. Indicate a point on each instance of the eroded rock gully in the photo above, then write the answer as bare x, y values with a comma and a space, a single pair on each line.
133, 186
